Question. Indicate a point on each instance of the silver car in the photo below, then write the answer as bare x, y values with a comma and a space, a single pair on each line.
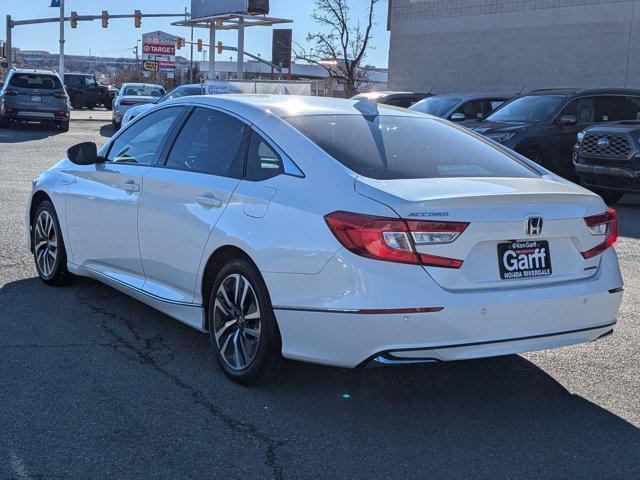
132, 94
34, 96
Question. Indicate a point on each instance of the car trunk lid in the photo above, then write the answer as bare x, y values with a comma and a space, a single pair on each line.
498, 211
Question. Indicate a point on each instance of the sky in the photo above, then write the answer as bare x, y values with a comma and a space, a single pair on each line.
121, 36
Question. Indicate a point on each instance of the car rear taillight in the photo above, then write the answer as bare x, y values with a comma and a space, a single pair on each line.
60, 95
10, 92
605, 224
127, 104
392, 239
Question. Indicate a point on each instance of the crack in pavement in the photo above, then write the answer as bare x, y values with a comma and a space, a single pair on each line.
146, 357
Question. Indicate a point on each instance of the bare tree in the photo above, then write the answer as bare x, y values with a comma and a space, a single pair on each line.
342, 46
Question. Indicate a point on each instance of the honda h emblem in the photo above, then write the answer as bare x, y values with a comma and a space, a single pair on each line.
534, 225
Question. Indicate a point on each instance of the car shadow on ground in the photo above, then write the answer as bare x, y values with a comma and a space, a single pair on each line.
494, 418
28, 132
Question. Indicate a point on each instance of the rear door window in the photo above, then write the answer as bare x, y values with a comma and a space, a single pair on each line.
263, 162
613, 108
35, 81
403, 147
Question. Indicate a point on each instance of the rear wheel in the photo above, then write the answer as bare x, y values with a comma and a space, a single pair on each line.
4, 123
242, 326
48, 247
116, 125
63, 125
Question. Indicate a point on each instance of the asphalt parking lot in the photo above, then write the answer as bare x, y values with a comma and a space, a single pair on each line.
94, 384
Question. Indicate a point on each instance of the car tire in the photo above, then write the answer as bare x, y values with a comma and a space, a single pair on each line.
116, 125
610, 197
63, 125
4, 123
90, 106
48, 248
242, 326
76, 103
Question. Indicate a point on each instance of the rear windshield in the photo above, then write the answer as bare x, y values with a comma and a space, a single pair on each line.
34, 80
143, 91
396, 147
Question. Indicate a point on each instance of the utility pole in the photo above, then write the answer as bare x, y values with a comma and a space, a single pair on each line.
61, 68
9, 44
211, 74
240, 49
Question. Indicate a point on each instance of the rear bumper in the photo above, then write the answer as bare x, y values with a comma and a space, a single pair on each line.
22, 114
470, 325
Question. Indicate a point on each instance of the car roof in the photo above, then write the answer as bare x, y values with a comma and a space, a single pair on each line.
34, 71
584, 91
255, 106
134, 84
471, 96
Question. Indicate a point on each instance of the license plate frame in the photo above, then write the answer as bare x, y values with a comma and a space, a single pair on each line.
36, 98
524, 260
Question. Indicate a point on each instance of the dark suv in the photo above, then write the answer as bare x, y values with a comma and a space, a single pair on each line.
607, 159
82, 89
34, 96
542, 125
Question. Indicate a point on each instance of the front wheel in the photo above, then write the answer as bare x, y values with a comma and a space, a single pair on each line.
48, 247
242, 326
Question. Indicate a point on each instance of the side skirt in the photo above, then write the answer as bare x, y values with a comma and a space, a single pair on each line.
187, 313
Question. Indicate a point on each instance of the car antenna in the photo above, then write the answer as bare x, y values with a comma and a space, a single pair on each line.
521, 90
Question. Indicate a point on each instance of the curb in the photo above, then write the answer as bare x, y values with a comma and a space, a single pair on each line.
90, 120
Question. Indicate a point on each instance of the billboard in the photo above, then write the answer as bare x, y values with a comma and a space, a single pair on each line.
208, 8
281, 47
158, 52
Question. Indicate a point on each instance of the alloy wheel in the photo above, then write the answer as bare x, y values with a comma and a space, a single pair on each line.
45, 243
237, 321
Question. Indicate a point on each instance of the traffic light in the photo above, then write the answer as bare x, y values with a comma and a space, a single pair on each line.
105, 19
199, 44
5, 50
179, 43
74, 19
219, 47
138, 17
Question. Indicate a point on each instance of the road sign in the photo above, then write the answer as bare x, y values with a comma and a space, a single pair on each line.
150, 66
207, 8
55, 3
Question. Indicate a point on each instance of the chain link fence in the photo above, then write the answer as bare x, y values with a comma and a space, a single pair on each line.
259, 87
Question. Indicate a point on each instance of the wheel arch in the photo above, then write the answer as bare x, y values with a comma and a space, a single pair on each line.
214, 263
36, 199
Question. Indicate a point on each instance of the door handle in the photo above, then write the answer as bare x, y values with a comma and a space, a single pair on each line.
130, 187
209, 201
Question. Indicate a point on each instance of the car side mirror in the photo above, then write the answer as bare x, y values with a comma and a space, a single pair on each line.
568, 120
85, 153
458, 117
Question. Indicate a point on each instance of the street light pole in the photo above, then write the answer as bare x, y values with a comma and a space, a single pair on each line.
61, 68
9, 45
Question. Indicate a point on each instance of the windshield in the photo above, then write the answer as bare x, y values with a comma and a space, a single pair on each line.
534, 108
398, 147
32, 80
181, 92
143, 91
435, 106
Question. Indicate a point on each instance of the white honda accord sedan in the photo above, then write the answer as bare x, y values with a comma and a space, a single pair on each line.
330, 231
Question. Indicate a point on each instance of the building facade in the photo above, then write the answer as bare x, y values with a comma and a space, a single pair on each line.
506, 46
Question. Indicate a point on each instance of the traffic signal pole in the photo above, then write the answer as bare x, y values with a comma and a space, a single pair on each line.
61, 68
9, 56
211, 74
